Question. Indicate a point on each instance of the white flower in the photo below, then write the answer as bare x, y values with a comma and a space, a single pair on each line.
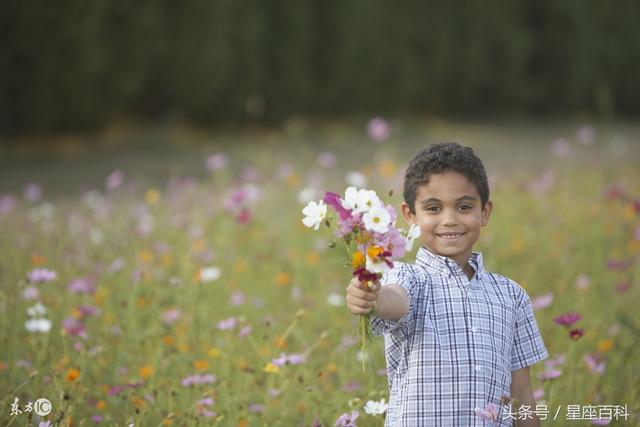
209, 274
356, 179
314, 214
350, 198
412, 234
377, 219
38, 325
377, 265
376, 408
335, 300
367, 199
37, 310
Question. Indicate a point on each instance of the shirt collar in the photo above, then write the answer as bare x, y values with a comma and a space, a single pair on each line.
448, 266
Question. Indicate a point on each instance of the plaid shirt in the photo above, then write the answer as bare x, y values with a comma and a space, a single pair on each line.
456, 347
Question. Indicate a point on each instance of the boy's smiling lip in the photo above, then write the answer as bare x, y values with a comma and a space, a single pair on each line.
451, 236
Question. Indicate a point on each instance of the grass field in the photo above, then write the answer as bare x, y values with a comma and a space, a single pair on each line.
173, 268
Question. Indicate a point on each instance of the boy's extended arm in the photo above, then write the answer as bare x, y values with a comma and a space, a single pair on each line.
392, 303
521, 391
389, 302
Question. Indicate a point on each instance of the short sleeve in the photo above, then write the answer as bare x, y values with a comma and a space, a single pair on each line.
528, 346
401, 275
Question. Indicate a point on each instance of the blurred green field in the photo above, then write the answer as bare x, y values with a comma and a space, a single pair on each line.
180, 278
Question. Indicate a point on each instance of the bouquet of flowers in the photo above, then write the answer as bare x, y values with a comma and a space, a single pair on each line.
367, 230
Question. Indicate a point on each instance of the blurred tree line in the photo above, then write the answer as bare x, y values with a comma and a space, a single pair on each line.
75, 64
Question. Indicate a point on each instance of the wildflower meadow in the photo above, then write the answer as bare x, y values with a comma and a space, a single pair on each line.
175, 284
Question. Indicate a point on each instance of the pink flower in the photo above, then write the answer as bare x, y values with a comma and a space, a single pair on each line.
32, 192
87, 311
327, 160
595, 363
216, 162
567, 319
378, 129
623, 287
556, 361
543, 301
549, 374
256, 408
561, 148
351, 386
82, 286
614, 192
41, 275
207, 401
347, 420
489, 413
30, 293
617, 265
334, 200
114, 180
583, 282
194, 380
538, 393
246, 330
237, 298
250, 173
7, 204
74, 327
171, 316
243, 217
586, 135
227, 324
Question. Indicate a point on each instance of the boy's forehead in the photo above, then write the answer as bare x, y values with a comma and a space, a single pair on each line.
447, 185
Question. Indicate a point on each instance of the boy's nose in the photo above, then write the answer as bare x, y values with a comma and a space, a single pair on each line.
449, 218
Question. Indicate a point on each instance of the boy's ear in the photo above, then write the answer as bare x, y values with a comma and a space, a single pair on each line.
486, 213
408, 215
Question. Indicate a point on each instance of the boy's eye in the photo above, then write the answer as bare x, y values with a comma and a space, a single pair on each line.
432, 208
465, 207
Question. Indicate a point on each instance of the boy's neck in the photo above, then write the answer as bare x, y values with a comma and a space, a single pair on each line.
464, 263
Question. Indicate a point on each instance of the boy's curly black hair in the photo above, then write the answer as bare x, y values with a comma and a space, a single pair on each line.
443, 157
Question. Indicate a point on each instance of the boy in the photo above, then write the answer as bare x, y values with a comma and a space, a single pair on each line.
457, 338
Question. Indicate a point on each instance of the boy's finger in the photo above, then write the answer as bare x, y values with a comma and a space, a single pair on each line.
361, 293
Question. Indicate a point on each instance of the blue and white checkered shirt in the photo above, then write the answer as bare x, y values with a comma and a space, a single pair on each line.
456, 347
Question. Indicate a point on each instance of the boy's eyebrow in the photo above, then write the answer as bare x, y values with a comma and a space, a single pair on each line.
468, 198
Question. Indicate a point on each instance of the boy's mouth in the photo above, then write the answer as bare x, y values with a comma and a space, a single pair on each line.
450, 236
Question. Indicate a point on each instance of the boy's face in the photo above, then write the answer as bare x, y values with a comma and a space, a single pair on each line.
449, 213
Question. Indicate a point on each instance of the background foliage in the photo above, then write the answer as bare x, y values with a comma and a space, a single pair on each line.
77, 65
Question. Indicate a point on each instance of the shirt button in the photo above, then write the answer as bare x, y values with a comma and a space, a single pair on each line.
474, 329
478, 368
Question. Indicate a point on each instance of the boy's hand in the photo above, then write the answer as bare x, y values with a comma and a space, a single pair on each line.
361, 298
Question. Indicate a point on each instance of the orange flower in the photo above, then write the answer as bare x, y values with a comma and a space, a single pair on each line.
358, 260
168, 340
201, 365
283, 278
138, 402
312, 258
72, 375
146, 372
374, 251
605, 345
101, 405
38, 259
280, 343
